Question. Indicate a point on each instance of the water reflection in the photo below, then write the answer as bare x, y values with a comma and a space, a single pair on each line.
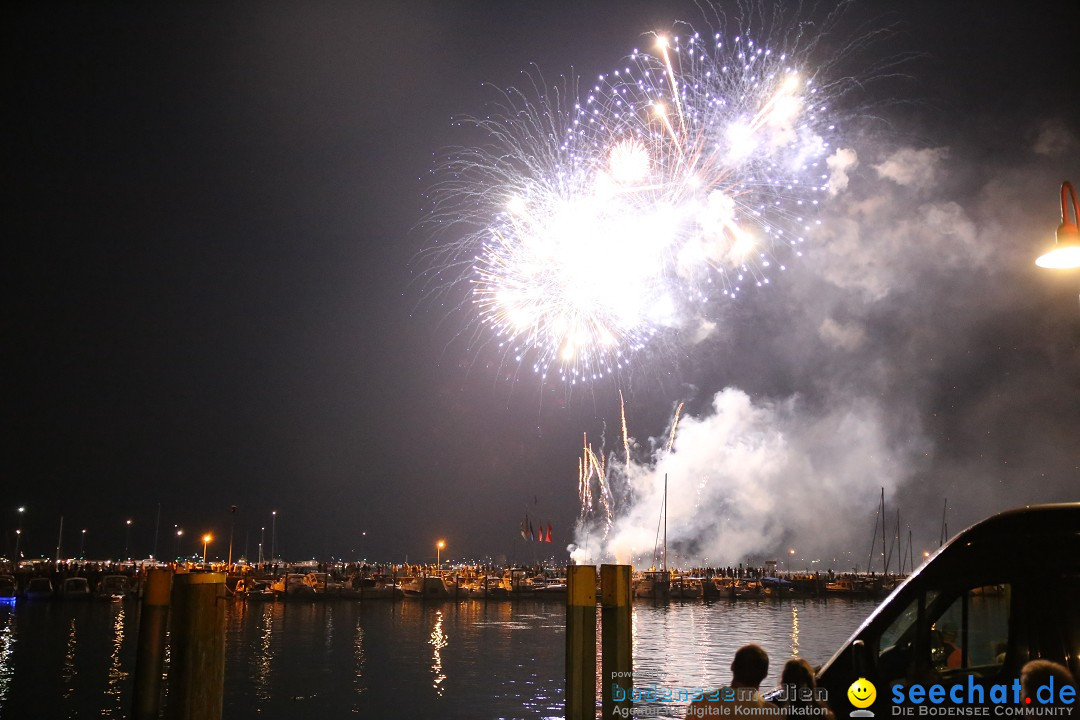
114, 688
358, 675
438, 641
67, 672
7, 649
263, 656
508, 657
794, 630
168, 662
329, 639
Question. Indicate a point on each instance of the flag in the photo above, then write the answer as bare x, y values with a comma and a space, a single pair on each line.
548, 538
540, 534
530, 530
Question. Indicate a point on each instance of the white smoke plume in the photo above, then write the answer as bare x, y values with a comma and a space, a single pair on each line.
753, 476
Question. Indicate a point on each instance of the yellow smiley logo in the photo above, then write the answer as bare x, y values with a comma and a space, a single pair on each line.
862, 693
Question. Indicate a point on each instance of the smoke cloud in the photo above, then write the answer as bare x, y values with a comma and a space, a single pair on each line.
899, 354
749, 476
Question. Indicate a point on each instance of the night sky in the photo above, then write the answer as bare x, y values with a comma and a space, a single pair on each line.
214, 287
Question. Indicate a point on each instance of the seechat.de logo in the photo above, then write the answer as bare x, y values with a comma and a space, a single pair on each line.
861, 694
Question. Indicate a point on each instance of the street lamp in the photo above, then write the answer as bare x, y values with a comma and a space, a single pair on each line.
82, 545
18, 534
205, 541
1065, 255
438, 553
179, 534
273, 535
262, 540
127, 538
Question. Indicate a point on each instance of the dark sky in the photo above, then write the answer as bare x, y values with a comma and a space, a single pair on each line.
213, 224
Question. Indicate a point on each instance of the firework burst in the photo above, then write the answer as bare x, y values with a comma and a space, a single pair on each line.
598, 217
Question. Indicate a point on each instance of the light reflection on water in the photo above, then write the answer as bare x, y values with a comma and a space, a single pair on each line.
438, 641
794, 630
7, 650
359, 685
117, 675
263, 658
462, 659
67, 674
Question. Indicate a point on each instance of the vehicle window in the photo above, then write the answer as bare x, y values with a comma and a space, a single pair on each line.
973, 630
899, 627
896, 643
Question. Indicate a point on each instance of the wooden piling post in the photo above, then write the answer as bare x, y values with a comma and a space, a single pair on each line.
197, 672
150, 655
617, 659
581, 642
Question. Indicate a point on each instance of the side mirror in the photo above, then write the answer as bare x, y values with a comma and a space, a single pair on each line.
860, 657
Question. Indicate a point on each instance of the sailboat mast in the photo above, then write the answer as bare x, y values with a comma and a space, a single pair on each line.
873, 543
59, 540
944, 507
884, 562
899, 543
665, 522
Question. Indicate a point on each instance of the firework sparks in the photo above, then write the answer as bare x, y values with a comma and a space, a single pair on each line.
590, 466
674, 427
600, 217
625, 434
593, 470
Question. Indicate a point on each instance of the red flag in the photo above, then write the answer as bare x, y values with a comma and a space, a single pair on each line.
540, 534
548, 538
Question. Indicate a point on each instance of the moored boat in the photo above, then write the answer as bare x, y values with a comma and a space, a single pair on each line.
686, 588
488, 588
7, 587
39, 588
747, 590
549, 587
75, 588
846, 587
295, 587
426, 587
653, 584
113, 587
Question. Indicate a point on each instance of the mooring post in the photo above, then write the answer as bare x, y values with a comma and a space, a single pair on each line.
580, 642
617, 662
197, 671
150, 654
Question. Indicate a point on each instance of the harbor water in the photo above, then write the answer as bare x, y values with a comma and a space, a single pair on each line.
455, 659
